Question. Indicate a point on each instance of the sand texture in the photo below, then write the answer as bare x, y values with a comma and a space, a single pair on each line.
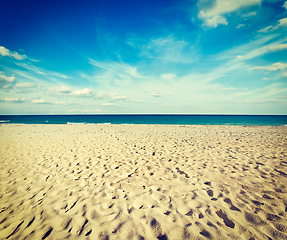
143, 182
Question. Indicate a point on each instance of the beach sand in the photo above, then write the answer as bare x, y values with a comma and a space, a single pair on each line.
143, 182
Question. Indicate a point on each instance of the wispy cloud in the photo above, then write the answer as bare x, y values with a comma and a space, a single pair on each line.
254, 49
60, 75
119, 67
274, 67
115, 73
31, 67
261, 94
170, 49
133, 72
282, 23
41, 71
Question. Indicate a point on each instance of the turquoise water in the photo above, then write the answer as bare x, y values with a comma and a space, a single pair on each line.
250, 120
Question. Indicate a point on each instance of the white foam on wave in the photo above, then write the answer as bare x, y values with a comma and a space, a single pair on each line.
4, 121
75, 123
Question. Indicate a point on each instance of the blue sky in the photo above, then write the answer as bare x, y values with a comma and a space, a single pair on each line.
101, 57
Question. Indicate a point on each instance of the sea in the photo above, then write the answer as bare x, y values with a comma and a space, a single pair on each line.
166, 119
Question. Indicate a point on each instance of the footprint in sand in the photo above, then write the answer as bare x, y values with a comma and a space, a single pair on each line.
226, 221
210, 193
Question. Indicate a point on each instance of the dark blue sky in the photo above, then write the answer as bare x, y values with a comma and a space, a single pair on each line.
217, 56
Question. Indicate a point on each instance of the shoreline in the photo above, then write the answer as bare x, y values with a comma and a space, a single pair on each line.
143, 181
136, 124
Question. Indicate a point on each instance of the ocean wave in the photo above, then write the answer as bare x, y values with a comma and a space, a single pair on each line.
76, 123
4, 121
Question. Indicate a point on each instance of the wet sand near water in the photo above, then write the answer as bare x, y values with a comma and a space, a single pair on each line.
143, 182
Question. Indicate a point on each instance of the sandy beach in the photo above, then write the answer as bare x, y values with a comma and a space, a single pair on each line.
143, 182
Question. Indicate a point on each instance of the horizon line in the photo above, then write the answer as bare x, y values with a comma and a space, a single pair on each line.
101, 114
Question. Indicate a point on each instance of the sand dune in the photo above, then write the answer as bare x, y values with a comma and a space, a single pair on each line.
143, 182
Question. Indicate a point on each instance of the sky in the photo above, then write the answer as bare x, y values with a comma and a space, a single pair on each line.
139, 57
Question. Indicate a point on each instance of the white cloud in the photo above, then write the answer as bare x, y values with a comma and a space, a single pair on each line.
240, 25
59, 90
285, 5
63, 89
282, 23
83, 93
60, 103
85, 110
14, 100
116, 97
223, 89
274, 67
215, 21
5, 52
266, 29
5, 78
18, 56
249, 14
168, 76
212, 13
109, 104
5, 81
155, 94
25, 85
277, 47
39, 101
